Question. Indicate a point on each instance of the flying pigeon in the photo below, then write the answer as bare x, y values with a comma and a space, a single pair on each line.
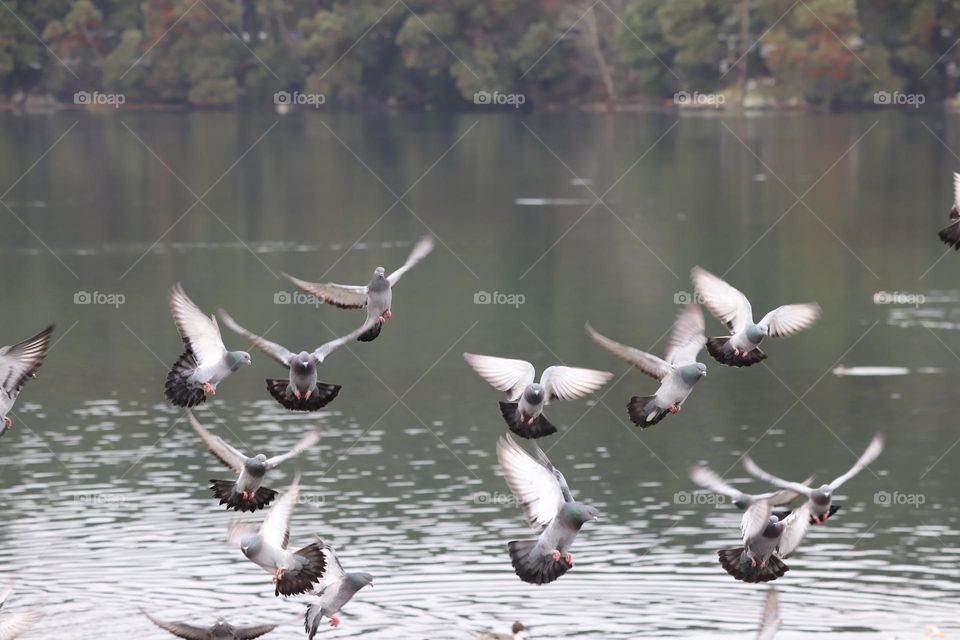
677, 374
293, 573
517, 632
18, 363
524, 411
13, 625
245, 493
708, 479
820, 498
547, 503
731, 307
377, 296
336, 589
206, 362
766, 543
221, 630
770, 618
301, 391
951, 233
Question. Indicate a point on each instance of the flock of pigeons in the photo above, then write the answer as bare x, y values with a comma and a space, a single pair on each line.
769, 532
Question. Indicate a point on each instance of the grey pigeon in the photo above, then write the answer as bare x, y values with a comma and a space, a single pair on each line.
770, 618
206, 362
547, 503
266, 546
950, 234
755, 560
677, 373
523, 412
220, 630
12, 626
18, 363
820, 498
708, 479
377, 296
245, 493
517, 632
300, 391
335, 590
731, 307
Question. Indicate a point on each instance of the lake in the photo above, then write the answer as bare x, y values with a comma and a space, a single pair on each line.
105, 495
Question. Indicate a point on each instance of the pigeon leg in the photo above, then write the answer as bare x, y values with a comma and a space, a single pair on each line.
279, 575
8, 421
675, 408
296, 392
334, 621
557, 555
380, 318
753, 563
568, 558
307, 395
388, 314
824, 517
530, 421
209, 388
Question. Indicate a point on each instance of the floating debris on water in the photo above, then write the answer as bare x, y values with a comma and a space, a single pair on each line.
544, 202
882, 371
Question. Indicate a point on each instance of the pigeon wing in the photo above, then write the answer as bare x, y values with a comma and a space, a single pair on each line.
754, 519
345, 296
21, 361
321, 352
570, 383
534, 486
278, 352
687, 338
791, 318
276, 526
307, 441
724, 301
334, 573
754, 469
873, 450
770, 618
198, 331
420, 251
708, 479
218, 446
180, 629
504, 374
648, 363
13, 626
249, 633
795, 528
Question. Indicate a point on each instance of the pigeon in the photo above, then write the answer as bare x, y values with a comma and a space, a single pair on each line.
708, 479
524, 411
206, 362
377, 296
770, 618
18, 363
821, 498
245, 493
950, 234
731, 307
547, 503
13, 626
336, 589
301, 391
517, 632
293, 573
760, 559
221, 630
677, 374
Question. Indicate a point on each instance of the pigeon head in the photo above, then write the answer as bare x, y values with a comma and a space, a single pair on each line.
256, 465
360, 580
237, 358
582, 513
221, 626
533, 394
756, 333
250, 544
774, 528
742, 501
822, 496
517, 628
302, 362
691, 373
379, 281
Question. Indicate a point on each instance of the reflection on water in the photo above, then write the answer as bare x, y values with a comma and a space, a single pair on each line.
106, 498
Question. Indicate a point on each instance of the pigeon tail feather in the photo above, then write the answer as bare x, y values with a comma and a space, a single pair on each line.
717, 349
226, 491
950, 234
371, 334
311, 566
540, 427
178, 388
323, 394
737, 564
644, 413
533, 567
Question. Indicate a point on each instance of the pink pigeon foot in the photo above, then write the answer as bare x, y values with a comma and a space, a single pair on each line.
307, 395
209, 388
380, 318
278, 576
334, 621
675, 408
8, 421
557, 555
388, 314
568, 559
296, 393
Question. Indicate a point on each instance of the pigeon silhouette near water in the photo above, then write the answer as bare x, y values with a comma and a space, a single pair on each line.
219, 630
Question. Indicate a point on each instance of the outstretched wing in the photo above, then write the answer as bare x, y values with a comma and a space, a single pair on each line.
420, 251
535, 487
198, 331
334, 573
18, 623
570, 383
755, 519
648, 363
21, 361
956, 190
276, 526
755, 470
312, 438
345, 296
873, 450
791, 318
249, 633
708, 479
724, 301
795, 528
278, 352
321, 352
180, 629
504, 374
688, 336
218, 446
